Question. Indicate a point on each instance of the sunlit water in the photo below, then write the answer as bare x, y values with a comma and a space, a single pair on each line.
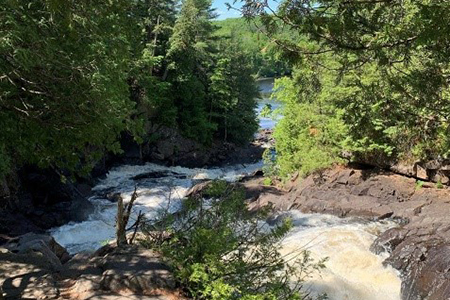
155, 194
352, 271
265, 87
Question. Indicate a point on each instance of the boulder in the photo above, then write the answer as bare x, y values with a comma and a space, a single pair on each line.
28, 275
421, 172
43, 243
135, 270
419, 247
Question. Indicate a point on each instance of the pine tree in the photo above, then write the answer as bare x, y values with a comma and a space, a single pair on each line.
63, 92
233, 93
190, 56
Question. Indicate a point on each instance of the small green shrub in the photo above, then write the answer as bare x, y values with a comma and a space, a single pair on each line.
267, 181
218, 249
439, 184
419, 184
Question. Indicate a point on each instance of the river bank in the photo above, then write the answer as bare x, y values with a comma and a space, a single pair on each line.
419, 246
406, 226
36, 200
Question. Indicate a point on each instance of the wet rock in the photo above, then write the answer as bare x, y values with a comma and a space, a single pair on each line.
158, 174
388, 240
419, 247
196, 190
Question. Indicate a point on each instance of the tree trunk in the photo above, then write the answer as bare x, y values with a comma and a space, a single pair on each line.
120, 226
123, 215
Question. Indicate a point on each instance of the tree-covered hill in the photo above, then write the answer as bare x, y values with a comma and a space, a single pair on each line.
74, 77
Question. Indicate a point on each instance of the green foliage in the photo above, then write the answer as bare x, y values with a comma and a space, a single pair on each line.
63, 90
233, 93
311, 133
154, 24
75, 76
189, 53
267, 181
220, 250
419, 185
261, 52
267, 110
388, 62
439, 184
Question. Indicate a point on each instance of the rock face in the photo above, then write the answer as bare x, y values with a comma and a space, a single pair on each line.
432, 170
168, 146
34, 266
419, 247
35, 200
27, 267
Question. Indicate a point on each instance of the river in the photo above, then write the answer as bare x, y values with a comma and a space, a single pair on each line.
352, 272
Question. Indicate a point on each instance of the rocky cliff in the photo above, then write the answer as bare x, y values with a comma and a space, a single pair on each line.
419, 247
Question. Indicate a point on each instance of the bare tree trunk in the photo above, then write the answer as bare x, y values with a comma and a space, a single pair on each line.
120, 226
123, 215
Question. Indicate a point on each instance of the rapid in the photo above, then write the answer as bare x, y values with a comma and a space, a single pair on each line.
352, 271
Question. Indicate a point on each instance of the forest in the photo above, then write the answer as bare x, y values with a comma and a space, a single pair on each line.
362, 86
369, 80
74, 77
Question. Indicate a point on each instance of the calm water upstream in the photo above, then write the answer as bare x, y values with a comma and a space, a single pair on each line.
352, 273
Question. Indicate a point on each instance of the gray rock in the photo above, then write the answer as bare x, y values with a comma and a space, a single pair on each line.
136, 270
27, 276
43, 243
419, 247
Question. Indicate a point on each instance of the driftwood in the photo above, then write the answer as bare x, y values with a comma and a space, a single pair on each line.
123, 216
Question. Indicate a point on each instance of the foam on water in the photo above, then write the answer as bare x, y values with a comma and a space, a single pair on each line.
352, 272
153, 195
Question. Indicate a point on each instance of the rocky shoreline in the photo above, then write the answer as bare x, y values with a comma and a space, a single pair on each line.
35, 200
35, 266
419, 247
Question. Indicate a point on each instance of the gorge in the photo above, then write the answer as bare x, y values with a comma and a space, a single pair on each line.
147, 152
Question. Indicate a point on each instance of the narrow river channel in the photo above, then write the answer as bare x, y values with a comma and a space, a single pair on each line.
352, 271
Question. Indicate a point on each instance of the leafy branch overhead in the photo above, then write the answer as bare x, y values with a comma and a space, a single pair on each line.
376, 71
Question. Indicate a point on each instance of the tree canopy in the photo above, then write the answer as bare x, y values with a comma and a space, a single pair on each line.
380, 66
74, 77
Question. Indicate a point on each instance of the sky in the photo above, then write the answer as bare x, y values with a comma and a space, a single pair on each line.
224, 13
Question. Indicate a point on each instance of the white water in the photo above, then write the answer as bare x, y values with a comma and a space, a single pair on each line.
352, 271
154, 194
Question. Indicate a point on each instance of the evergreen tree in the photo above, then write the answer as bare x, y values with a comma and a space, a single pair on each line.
387, 68
63, 93
155, 21
190, 56
233, 93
